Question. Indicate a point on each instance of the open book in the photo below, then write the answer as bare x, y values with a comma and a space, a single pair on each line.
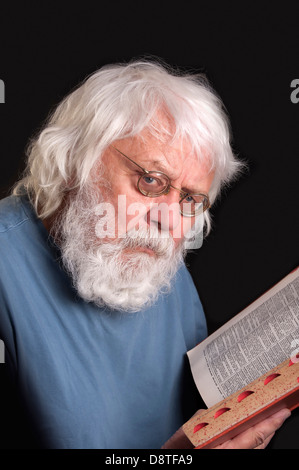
261, 338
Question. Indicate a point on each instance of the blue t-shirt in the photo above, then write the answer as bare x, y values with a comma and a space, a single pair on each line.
90, 377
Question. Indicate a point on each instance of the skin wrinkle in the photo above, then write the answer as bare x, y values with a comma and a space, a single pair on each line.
123, 178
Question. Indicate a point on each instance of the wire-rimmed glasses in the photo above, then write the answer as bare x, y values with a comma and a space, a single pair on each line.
156, 183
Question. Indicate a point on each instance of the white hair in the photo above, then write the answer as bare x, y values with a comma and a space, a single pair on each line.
116, 102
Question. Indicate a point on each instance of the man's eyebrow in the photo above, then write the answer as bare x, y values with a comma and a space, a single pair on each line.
158, 165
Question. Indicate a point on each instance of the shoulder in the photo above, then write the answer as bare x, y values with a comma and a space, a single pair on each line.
20, 228
12, 213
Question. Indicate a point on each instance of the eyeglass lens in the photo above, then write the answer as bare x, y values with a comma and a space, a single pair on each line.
153, 184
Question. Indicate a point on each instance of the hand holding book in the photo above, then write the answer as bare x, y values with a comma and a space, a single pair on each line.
253, 348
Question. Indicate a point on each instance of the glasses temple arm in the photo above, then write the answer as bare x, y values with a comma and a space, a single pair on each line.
132, 161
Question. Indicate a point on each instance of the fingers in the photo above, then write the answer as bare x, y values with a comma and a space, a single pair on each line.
258, 436
265, 442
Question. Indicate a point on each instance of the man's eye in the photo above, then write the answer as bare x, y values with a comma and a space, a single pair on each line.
189, 199
152, 185
155, 181
149, 179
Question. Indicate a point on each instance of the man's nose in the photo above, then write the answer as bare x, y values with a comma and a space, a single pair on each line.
164, 213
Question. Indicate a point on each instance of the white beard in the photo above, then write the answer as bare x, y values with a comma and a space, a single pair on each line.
110, 273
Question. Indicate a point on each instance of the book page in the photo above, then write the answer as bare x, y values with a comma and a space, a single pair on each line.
259, 338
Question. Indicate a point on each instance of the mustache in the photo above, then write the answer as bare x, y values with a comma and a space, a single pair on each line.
147, 238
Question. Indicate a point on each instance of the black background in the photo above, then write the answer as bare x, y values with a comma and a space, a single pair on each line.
250, 55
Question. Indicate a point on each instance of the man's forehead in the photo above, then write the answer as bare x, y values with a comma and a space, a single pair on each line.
172, 157
161, 152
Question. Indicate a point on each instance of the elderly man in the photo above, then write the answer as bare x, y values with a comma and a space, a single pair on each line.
97, 308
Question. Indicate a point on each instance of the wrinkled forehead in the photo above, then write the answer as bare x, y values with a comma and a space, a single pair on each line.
163, 130
165, 149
